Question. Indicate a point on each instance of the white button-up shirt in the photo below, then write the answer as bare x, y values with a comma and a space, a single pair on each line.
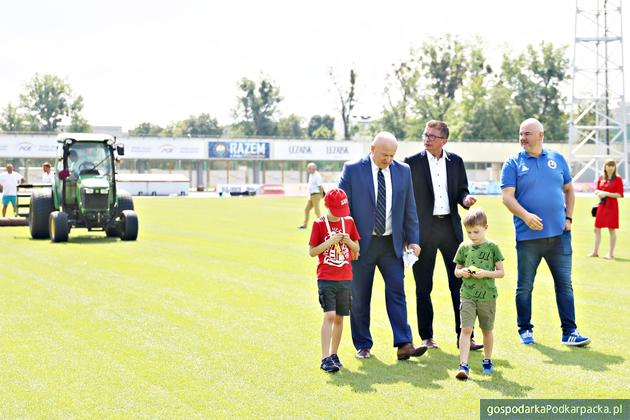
438, 179
387, 174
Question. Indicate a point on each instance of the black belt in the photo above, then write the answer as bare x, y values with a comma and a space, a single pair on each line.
441, 216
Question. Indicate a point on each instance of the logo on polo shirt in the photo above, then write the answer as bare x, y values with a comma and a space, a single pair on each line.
524, 168
552, 164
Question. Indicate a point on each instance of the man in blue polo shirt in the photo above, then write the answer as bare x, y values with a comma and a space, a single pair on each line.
537, 189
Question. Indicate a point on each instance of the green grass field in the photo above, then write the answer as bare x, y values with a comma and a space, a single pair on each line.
213, 312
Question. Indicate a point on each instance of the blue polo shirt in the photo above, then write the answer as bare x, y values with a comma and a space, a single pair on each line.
539, 183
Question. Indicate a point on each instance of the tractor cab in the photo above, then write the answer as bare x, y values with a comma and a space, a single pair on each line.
87, 184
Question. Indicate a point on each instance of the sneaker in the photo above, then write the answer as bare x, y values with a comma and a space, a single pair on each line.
487, 366
463, 371
328, 365
302, 227
336, 360
527, 337
363, 354
575, 339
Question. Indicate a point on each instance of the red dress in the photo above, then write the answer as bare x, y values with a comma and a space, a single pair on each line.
608, 212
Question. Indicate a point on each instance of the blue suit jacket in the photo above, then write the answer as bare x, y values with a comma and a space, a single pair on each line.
356, 180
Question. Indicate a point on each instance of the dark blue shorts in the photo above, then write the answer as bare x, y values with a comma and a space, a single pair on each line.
335, 295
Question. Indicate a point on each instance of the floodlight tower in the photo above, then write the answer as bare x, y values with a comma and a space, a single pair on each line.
597, 125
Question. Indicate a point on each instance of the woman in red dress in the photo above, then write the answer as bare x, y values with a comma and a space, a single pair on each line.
609, 188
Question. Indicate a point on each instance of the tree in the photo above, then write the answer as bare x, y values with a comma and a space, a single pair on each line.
346, 102
486, 110
535, 77
194, 126
47, 100
12, 120
401, 93
291, 127
321, 127
487, 113
146, 129
443, 66
257, 108
78, 124
427, 84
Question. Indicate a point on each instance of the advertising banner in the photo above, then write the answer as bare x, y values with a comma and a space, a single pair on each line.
163, 148
316, 150
239, 150
28, 146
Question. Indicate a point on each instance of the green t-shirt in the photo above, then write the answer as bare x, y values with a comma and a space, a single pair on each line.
482, 256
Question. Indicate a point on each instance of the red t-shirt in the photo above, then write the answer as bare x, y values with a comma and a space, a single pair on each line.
333, 266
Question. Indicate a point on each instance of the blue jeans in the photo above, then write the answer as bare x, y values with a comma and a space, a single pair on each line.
557, 253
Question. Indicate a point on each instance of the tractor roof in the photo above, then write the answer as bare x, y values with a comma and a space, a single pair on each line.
84, 137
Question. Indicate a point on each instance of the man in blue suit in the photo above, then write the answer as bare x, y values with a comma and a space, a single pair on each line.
382, 204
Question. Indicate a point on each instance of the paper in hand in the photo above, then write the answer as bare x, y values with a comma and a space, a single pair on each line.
409, 258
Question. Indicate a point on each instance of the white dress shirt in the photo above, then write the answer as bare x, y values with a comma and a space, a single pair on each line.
438, 179
388, 194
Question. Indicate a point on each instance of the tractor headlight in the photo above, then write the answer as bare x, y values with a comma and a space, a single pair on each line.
89, 190
104, 191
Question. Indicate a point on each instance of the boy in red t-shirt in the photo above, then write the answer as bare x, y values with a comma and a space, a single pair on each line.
335, 240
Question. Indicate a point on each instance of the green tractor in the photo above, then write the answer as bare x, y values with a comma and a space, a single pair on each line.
84, 193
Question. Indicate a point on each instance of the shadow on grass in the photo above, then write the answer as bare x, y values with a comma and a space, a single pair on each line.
584, 357
92, 239
421, 372
496, 381
83, 239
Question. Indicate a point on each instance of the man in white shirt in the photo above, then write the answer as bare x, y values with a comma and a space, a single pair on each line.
48, 176
315, 193
9, 182
439, 185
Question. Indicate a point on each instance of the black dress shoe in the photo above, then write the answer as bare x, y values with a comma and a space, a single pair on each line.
474, 346
407, 350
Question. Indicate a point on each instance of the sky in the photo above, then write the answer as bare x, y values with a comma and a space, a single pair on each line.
161, 61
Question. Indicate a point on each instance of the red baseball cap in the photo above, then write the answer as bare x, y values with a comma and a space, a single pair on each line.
337, 202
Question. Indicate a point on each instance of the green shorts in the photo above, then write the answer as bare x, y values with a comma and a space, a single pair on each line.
470, 309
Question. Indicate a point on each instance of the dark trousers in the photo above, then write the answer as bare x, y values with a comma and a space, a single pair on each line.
443, 239
380, 253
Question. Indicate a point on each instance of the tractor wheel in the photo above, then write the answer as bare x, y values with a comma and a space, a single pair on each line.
59, 228
112, 231
125, 202
41, 207
129, 225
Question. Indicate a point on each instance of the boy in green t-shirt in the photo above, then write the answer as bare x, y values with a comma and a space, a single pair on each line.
479, 261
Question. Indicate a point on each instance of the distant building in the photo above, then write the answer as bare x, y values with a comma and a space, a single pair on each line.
112, 130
